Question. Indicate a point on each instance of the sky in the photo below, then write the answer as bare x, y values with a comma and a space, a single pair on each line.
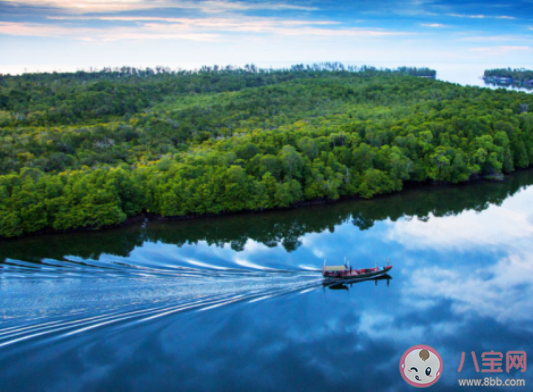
47, 35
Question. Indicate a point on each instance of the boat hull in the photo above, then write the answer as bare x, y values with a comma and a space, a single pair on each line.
343, 284
348, 276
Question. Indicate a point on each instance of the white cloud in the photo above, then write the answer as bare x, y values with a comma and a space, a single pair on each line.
91, 34
205, 22
472, 230
124, 5
236, 5
93, 5
501, 291
435, 25
469, 16
379, 327
466, 230
481, 16
196, 29
35, 29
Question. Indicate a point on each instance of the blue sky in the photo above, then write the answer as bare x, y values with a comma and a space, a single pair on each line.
67, 35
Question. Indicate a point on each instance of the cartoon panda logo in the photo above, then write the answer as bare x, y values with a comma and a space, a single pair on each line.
421, 366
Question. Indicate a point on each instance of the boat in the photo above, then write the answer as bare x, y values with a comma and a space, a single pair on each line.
346, 274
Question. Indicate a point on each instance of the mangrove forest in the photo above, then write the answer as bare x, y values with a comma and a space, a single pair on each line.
94, 148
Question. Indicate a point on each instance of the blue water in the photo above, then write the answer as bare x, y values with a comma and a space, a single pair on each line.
237, 304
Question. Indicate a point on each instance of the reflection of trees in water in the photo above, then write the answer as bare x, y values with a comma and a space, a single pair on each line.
512, 86
362, 222
272, 228
90, 245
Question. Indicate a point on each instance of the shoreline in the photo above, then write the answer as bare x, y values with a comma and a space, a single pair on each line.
147, 216
506, 81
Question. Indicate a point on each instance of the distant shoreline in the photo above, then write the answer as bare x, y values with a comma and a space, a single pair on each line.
509, 76
507, 81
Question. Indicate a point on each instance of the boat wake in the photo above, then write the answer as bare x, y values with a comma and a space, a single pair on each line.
53, 299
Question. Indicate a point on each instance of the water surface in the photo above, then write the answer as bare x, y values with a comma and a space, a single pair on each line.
236, 303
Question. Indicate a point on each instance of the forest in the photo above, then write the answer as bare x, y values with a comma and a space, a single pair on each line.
94, 148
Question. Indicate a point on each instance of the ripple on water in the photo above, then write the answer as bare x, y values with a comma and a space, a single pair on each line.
53, 299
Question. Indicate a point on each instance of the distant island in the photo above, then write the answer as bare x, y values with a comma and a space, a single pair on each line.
93, 149
506, 76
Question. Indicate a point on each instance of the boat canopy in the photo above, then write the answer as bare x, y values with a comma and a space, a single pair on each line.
335, 268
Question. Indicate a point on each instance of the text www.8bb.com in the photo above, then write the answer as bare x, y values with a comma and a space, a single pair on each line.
491, 382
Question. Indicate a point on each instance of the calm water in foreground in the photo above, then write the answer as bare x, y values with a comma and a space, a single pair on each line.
236, 303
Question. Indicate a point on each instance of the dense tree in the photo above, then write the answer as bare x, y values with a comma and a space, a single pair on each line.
91, 149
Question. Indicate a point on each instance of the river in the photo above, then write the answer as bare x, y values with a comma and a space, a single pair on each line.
236, 303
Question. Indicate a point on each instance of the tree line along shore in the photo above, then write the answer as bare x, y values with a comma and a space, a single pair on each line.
519, 76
